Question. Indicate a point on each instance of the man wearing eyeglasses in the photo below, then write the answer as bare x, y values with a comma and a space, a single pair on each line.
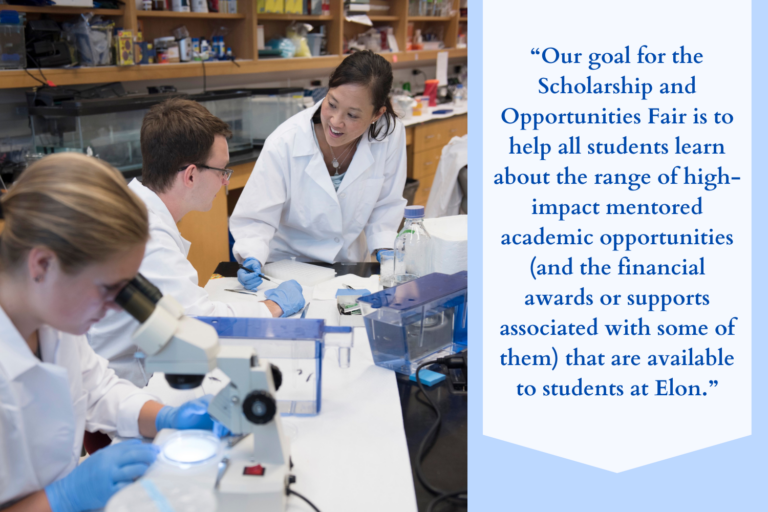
185, 156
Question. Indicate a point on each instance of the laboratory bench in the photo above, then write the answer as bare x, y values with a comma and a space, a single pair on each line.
445, 466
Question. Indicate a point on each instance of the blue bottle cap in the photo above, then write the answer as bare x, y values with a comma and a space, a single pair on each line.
414, 212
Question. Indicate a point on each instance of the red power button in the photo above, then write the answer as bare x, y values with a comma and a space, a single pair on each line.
257, 470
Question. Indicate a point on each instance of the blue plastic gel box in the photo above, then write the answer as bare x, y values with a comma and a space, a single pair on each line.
417, 321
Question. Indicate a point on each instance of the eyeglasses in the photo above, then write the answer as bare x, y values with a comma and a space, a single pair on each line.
227, 172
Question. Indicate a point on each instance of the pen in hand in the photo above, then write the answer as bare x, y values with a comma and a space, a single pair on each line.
251, 271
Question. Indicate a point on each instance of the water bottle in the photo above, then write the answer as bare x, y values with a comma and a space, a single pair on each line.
413, 247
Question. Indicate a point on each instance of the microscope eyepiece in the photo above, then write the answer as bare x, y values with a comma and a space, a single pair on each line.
138, 305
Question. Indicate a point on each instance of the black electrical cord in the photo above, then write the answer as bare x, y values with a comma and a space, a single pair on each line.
444, 497
33, 76
291, 491
429, 441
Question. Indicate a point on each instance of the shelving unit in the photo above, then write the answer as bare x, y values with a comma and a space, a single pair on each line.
242, 28
187, 15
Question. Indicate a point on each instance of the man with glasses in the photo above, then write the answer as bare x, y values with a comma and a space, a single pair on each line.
185, 156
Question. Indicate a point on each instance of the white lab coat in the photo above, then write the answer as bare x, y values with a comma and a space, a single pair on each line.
46, 406
166, 265
445, 196
290, 208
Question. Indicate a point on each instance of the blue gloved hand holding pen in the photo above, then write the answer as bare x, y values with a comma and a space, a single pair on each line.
91, 484
250, 280
288, 296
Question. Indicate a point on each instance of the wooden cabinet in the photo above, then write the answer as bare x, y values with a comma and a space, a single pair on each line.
424, 154
208, 232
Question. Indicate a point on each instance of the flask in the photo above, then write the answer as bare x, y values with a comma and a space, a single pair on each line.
413, 247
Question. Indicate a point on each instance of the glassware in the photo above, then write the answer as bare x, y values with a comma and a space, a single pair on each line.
413, 247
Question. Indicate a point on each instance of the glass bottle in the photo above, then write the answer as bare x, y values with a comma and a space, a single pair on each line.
413, 247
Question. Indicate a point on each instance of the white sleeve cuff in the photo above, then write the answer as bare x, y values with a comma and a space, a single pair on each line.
128, 413
381, 240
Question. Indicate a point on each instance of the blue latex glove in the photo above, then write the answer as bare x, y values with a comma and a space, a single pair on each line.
250, 281
288, 296
92, 483
379, 251
190, 415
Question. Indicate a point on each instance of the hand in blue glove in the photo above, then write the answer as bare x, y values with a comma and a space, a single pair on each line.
91, 484
190, 415
288, 296
250, 280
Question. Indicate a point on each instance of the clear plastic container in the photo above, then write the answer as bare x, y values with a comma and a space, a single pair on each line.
107, 128
416, 321
413, 247
269, 108
295, 346
232, 107
13, 53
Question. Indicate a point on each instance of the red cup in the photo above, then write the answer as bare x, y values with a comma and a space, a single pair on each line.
430, 89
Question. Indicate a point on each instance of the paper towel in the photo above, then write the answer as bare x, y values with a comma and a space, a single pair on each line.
449, 243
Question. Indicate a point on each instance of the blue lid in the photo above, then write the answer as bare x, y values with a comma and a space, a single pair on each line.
418, 292
414, 212
266, 328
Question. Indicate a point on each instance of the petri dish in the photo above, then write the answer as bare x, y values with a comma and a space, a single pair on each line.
188, 447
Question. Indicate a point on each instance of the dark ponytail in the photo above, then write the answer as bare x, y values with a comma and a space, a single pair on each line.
373, 71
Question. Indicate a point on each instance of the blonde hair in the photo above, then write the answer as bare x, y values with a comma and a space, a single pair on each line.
77, 206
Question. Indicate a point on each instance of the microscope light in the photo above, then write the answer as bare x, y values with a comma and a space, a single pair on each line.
189, 447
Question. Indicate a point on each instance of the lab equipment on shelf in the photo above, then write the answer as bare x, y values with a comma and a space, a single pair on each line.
231, 106
413, 247
13, 53
419, 320
269, 108
108, 128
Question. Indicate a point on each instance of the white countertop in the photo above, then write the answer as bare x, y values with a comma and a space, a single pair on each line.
429, 116
352, 456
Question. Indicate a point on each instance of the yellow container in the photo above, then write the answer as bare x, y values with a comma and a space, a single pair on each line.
294, 6
275, 6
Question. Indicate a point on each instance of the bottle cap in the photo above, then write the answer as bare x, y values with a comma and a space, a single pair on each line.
414, 212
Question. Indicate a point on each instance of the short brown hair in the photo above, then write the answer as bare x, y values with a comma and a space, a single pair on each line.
175, 133
77, 206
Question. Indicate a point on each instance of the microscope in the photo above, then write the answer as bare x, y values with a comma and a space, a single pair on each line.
254, 474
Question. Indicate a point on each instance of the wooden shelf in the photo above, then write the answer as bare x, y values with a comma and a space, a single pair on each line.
291, 17
16, 78
384, 17
430, 18
202, 15
464, 19
61, 10
243, 40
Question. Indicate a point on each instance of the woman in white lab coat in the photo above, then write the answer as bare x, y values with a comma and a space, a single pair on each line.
328, 185
74, 236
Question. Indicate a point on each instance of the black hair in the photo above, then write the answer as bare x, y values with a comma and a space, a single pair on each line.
373, 71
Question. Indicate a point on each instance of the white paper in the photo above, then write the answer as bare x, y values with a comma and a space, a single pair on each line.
442, 68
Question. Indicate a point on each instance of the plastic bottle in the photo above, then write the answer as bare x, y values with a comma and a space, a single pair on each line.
459, 98
413, 247
205, 49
